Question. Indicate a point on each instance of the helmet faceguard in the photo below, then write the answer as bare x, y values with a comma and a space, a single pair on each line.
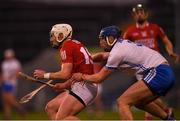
64, 29
110, 31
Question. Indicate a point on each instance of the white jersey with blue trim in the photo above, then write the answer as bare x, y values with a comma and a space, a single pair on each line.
133, 58
9, 71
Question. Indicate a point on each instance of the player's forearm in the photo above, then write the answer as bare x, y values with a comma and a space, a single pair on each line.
168, 46
98, 77
59, 75
101, 56
98, 57
61, 86
169, 49
95, 78
66, 84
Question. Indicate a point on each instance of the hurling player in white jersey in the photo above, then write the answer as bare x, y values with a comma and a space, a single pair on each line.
10, 67
155, 76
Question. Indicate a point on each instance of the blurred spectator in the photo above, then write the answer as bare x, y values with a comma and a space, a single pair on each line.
10, 67
0, 89
148, 34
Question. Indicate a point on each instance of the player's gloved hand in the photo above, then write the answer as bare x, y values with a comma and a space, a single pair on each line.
39, 74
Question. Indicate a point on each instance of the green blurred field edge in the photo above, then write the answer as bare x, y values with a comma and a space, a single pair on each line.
85, 115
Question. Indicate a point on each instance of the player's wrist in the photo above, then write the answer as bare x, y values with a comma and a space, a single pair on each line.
47, 75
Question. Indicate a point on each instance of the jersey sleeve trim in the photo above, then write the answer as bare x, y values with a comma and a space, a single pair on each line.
111, 68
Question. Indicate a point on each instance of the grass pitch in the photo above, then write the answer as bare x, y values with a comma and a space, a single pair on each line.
85, 115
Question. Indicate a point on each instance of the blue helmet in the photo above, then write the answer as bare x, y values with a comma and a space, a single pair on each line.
110, 31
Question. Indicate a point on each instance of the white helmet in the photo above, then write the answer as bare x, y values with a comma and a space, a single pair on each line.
65, 29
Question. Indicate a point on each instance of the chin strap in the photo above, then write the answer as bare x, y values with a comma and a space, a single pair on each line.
111, 44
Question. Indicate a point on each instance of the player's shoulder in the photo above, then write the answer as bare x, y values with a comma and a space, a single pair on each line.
131, 27
71, 43
120, 45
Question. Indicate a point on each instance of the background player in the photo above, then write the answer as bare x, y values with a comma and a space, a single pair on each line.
75, 58
148, 34
10, 68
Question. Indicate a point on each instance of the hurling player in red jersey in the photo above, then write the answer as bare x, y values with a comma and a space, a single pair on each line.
148, 34
75, 58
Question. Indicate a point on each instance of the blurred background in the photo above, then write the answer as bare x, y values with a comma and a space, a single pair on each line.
25, 26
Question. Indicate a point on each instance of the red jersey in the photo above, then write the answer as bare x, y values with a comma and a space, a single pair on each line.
147, 36
72, 51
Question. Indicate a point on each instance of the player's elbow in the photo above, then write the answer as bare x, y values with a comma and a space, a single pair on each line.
99, 81
66, 76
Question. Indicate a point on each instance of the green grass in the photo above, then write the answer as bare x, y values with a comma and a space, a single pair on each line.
84, 115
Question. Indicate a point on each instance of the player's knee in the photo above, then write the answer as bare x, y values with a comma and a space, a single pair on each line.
121, 102
65, 115
49, 108
46, 109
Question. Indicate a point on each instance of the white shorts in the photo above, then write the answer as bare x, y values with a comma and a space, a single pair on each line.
100, 88
85, 93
